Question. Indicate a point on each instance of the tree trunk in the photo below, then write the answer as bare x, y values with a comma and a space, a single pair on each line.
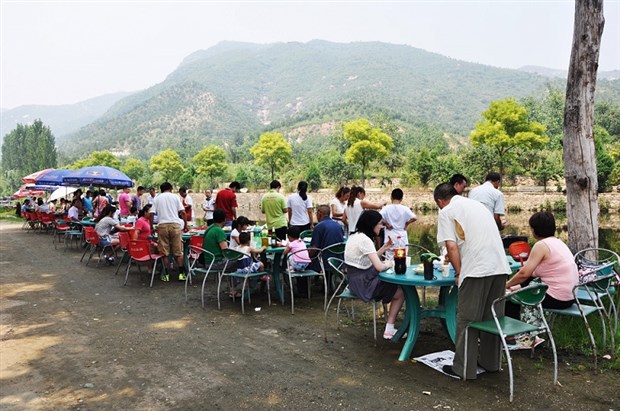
579, 153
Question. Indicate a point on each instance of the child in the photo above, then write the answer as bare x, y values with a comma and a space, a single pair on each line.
239, 225
299, 260
247, 264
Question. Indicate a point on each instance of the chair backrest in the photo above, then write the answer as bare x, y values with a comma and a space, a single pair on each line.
233, 255
600, 283
90, 235
123, 238
334, 249
595, 257
305, 234
47, 218
533, 294
337, 266
59, 223
139, 248
312, 253
520, 251
195, 246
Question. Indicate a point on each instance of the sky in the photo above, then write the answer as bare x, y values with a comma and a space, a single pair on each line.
63, 52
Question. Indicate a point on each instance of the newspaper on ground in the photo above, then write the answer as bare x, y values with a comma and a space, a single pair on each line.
437, 360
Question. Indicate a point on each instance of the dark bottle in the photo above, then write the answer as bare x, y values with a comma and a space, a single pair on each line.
400, 257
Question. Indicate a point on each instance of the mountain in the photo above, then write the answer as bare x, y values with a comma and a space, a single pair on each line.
63, 119
555, 73
239, 89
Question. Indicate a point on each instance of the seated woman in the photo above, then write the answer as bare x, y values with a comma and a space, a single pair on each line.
363, 267
551, 261
104, 228
142, 228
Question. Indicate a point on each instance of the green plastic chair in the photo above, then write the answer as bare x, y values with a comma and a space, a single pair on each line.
233, 256
314, 254
503, 327
306, 235
580, 309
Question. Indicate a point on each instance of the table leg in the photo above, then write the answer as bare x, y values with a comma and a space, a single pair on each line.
277, 259
411, 323
448, 298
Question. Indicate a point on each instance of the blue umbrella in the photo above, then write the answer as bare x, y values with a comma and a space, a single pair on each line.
53, 178
100, 176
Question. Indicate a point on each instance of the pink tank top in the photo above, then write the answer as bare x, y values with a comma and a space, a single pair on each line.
559, 270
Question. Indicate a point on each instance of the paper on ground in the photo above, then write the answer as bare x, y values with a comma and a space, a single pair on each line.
437, 360
525, 343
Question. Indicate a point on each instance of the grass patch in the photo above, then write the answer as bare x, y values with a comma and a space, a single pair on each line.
8, 214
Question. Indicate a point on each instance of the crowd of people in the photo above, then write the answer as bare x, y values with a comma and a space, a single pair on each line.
468, 233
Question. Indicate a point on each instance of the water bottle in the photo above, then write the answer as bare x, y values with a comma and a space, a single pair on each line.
400, 256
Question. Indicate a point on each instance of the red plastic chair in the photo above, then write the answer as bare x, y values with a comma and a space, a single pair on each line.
46, 221
92, 240
140, 252
520, 251
123, 238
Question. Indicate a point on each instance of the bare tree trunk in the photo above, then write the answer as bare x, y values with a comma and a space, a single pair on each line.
579, 154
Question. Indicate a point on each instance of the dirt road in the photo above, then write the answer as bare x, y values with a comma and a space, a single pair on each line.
72, 337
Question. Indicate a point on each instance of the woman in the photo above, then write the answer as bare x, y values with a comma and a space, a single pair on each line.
355, 206
142, 228
100, 203
363, 267
105, 225
338, 204
300, 208
551, 261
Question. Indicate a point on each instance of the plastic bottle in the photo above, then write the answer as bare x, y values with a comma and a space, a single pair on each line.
400, 256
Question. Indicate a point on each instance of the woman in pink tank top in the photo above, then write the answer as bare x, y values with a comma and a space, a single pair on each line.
551, 261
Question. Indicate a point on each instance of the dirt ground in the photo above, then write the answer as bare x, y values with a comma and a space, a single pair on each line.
72, 337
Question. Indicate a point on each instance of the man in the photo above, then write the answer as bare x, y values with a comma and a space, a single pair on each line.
187, 202
214, 239
491, 197
459, 182
396, 218
273, 205
87, 202
227, 200
150, 200
475, 250
124, 202
208, 206
137, 198
169, 228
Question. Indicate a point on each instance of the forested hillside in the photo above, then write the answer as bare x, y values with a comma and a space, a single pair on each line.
235, 90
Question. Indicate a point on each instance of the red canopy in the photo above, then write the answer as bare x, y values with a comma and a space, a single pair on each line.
30, 178
24, 192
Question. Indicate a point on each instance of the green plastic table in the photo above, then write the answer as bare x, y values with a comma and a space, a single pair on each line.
445, 310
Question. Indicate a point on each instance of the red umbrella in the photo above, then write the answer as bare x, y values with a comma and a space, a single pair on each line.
30, 178
24, 192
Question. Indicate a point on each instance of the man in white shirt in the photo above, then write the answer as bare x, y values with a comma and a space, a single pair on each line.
475, 249
396, 218
491, 197
169, 228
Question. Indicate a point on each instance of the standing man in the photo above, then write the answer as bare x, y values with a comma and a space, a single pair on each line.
137, 198
150, 200
169, 229
227, 200
124, 202
87, 202
273, 205
188, 204
396, 218
459, 182
475, 250
491, 197
208, 206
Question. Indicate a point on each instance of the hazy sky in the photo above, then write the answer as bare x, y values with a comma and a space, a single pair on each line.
59, 52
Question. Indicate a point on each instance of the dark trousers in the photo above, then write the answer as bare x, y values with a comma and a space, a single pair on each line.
476, 295
281, 233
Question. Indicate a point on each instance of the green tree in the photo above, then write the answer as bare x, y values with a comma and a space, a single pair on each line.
604, 162
607, 115
547, 166
272, 151
29, 148
334, 169
506, 128
422, 164
168, 164
211, 161
367, 144
313, 177
98, 158
134, 168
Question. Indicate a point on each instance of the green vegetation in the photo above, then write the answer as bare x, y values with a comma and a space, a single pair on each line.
272, 151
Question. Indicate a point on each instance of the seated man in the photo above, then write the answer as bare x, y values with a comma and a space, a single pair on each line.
214, 239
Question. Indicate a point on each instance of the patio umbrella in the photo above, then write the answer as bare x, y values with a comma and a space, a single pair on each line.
24, 192
30, 178
97, 176
61, 192
52, 178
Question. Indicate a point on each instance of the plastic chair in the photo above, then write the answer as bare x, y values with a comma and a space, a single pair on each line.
123, 238
580, 309
520, 251
140, 252
194, 269
337, 266
46, 221
92, 240
314, 254
503, 327
235, 257
603, 262
334, 250
306, 235
61, 227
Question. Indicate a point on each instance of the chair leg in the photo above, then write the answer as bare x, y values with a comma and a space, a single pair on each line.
374, 319
338, 314
219, 285
127, 271
292, 296
152, 273
245, 281
509, 360
120, 262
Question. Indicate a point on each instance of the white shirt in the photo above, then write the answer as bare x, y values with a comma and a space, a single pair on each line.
396, 215
339, 208
491, 197
479, 241
299, 209
356, 252
73, 214
167, 207
209, 206
353, 214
